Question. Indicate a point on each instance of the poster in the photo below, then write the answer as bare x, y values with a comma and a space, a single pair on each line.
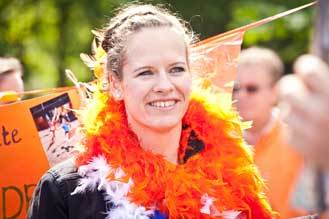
35, 134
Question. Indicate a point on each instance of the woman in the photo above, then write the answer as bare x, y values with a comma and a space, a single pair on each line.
153, 148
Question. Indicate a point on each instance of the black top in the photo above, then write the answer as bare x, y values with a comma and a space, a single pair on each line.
52, 197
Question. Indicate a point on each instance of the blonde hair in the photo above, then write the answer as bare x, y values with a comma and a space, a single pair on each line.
265, 57
131, 19
10, 64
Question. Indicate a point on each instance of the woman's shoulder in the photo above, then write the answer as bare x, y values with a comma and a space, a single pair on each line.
54, 196
66, 170
64, 176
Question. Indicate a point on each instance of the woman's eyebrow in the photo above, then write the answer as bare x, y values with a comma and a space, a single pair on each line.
150, 67
142, 68
177, 63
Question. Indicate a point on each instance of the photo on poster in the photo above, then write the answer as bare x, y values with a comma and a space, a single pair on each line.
57, 126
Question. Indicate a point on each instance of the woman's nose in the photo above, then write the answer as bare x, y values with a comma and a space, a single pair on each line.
163, 83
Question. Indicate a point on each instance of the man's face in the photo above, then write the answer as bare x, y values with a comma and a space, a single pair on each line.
11, 82
254, 92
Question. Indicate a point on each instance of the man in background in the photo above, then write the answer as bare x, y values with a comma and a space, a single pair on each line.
11, 73
259, 69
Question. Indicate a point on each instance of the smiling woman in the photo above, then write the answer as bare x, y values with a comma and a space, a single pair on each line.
156, 87
153, 147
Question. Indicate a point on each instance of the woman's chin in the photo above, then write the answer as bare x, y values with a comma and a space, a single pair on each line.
164, 124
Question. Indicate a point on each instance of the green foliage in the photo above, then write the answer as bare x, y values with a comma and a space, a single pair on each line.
289, 36
48, 35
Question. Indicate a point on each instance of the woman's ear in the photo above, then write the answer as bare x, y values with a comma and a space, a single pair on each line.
116, 87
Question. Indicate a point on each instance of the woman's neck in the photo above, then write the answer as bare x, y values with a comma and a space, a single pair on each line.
165, 142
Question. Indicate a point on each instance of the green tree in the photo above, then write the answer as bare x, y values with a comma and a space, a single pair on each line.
48, 35
289, 36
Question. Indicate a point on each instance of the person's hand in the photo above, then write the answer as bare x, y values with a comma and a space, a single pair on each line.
304, 98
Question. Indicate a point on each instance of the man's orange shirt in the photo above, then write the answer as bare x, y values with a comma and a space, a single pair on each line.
280, 166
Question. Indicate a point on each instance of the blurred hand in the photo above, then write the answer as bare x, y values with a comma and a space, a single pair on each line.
304, 101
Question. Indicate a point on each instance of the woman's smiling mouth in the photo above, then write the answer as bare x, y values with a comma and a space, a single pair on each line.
163, 104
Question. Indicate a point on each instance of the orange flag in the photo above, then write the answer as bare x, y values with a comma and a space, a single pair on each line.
216, 59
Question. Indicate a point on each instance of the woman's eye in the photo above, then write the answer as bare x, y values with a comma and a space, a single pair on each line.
145, 73
176, 70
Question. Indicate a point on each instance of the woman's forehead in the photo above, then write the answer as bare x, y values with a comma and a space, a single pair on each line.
155, 43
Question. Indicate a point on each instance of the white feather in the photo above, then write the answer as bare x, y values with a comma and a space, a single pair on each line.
209, 208
230, 214
206, 201
129, 211
94, 176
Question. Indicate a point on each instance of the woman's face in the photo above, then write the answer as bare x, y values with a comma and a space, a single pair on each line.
156, 81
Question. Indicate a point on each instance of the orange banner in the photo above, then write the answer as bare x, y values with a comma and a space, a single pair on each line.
217, 59
35, 134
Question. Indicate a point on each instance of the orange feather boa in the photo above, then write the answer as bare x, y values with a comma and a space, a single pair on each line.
223, 170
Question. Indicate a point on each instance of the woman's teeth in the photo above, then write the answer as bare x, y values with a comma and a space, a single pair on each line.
163, 104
